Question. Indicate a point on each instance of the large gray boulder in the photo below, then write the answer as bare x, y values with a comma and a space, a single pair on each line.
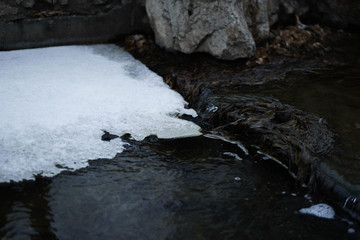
216, 27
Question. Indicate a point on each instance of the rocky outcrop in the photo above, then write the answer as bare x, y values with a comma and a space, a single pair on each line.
215, 27
229, 29
226, 29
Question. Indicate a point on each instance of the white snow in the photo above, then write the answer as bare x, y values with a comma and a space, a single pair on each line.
319, 210
55, 101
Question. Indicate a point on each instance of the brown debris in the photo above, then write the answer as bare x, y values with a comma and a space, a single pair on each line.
296, 138
295, 42
139, 43
47, 13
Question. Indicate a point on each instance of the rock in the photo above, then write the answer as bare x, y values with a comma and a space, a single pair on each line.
215, 27
260, 15
108, 136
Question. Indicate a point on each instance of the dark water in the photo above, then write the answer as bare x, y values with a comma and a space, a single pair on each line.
193, 188
332, 93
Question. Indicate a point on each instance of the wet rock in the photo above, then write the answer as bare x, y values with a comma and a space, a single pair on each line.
215, 27
108, 136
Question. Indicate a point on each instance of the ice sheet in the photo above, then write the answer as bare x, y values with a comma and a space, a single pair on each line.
55, 101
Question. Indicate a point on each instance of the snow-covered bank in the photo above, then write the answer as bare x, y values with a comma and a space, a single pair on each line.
55, 101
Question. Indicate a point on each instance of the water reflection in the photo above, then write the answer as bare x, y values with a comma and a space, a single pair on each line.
168, 189
25, 211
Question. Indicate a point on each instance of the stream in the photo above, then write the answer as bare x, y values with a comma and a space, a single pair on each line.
191, 188
60, 181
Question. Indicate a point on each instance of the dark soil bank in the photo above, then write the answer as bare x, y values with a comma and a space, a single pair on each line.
259, 102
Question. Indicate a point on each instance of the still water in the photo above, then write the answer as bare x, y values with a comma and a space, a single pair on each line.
185, 188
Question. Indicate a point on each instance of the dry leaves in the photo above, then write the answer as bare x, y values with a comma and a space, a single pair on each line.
293, 42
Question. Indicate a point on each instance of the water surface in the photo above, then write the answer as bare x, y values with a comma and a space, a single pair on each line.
192, 188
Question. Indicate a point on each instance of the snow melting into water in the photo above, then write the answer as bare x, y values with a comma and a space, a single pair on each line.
320, 210
55, 101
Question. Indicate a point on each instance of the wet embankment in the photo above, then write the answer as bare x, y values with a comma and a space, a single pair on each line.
254, 105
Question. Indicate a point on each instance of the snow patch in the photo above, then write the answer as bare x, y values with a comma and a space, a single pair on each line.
319, 210
55, 101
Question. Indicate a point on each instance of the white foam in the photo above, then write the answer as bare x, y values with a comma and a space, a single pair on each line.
234, 155
55, 101
319, 210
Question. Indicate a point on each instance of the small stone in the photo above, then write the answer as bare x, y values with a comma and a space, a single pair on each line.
237, 179
351, 230
108, 136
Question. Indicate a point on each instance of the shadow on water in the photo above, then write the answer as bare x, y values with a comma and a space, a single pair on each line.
24, 210
192, 188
